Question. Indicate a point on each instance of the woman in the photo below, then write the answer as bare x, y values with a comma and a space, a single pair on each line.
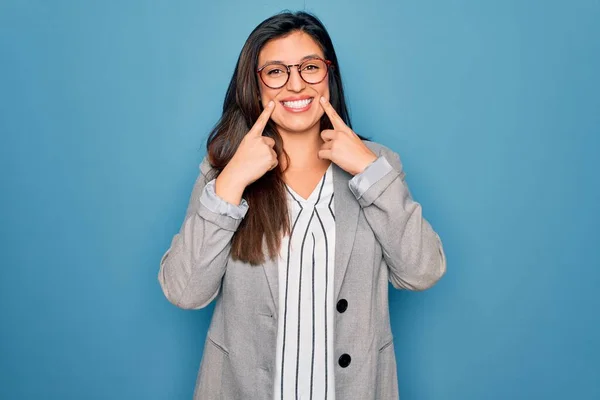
295, 225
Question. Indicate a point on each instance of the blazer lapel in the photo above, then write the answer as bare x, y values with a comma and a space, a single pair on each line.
346, 221
272, 273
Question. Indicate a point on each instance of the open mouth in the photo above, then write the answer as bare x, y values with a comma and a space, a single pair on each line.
297, 105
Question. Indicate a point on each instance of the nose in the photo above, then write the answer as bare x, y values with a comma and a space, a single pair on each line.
295, 83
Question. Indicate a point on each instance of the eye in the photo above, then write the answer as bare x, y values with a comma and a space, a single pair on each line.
310, 67
275, 71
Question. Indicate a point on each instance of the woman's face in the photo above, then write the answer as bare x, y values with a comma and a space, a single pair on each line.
292, 114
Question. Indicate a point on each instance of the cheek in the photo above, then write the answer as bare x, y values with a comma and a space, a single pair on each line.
324, 91
267, 95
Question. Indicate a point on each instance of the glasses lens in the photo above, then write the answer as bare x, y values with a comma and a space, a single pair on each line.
274, 75
313, 71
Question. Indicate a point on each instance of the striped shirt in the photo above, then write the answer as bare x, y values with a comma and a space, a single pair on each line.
304, 366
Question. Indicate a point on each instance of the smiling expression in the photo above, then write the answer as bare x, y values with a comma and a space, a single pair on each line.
297, 108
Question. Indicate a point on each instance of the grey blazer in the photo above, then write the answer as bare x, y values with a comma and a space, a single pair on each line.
381, 237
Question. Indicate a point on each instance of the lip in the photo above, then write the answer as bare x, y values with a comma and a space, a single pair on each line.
296, 98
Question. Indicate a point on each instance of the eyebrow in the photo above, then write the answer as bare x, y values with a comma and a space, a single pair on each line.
308, 57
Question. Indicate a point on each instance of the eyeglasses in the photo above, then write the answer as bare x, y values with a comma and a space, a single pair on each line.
276, 76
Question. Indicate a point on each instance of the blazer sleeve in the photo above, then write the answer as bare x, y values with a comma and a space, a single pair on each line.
412, 250
192, 268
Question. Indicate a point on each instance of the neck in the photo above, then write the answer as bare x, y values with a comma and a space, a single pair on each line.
303, 149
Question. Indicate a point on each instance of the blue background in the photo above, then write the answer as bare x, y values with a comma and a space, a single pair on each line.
494, 107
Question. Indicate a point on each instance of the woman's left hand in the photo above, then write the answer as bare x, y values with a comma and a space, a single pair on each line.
342, 146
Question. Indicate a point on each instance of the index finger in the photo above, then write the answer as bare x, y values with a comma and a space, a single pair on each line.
261, 122
337, 121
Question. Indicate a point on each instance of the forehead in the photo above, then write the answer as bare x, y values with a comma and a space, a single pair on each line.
289, 49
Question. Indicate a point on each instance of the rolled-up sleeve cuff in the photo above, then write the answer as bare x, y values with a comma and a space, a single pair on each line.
360, 183
216, 204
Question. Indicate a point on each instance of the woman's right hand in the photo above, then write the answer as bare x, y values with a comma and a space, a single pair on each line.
253, 158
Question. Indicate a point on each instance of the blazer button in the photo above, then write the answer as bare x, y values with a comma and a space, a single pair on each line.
342, 305
344, 360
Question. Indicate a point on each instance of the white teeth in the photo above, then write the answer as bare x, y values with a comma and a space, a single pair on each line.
297, 103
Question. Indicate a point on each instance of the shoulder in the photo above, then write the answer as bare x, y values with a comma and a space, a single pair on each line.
205, 166
207, 169
380, 150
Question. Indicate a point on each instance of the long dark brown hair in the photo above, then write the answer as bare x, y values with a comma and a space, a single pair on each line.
267, 217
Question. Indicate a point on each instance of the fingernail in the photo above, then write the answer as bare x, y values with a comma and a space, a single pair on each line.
271, 104
323, 99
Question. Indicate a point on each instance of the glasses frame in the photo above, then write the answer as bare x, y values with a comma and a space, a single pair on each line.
328, 63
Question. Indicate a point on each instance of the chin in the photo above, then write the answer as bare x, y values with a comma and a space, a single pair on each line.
296, 128
297, 125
